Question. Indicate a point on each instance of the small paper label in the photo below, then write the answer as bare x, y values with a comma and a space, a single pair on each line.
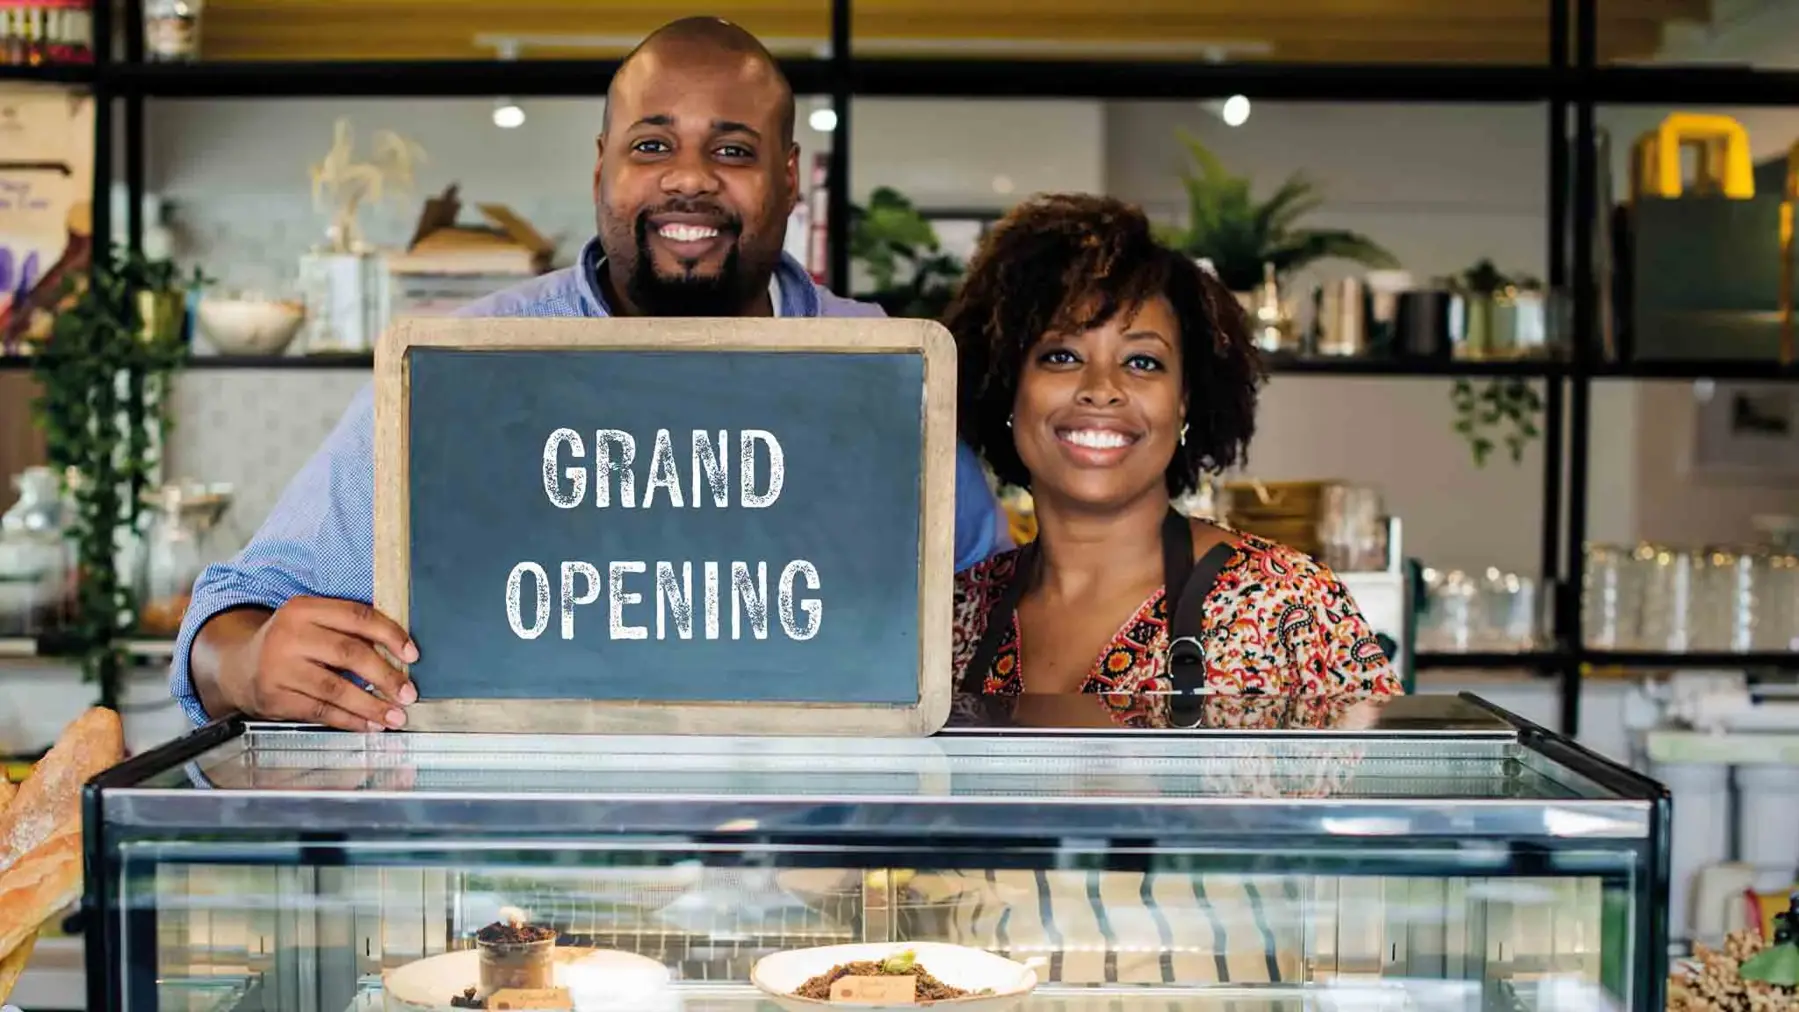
530, 997
876, 990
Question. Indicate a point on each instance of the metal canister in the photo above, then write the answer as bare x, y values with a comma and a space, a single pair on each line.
1340, 325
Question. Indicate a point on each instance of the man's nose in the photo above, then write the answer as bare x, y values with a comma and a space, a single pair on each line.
689, 175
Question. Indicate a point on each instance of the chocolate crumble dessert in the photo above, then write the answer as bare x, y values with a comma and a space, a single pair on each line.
504, 933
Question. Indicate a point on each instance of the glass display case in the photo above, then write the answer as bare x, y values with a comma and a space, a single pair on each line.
1416, 853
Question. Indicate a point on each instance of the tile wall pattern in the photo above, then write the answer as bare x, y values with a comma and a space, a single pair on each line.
253, 428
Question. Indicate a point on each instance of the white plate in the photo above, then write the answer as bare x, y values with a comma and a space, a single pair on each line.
428, 984
779, 975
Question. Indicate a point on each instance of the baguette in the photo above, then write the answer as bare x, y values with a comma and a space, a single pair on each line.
42, 883
49, 802
14, 965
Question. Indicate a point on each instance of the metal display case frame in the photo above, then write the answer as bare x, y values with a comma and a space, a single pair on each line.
1403, 791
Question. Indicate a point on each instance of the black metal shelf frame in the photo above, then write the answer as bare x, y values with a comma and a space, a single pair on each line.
1569, 83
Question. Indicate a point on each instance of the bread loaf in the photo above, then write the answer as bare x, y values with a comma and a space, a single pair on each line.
14, 965
40, 834
42, 883
49, 802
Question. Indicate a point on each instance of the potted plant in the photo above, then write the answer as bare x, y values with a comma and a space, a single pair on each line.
1227, 226
116, 338
898, 248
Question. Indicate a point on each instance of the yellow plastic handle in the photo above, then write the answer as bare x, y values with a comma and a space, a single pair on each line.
1724, 163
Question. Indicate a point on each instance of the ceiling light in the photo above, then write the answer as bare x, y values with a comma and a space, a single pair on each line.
823, 120
507, 115
1236, 111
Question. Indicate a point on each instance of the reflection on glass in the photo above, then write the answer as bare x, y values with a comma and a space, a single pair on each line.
1174, 930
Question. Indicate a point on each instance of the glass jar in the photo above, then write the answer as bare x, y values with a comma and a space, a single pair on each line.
176, 548
1672, 582
1611, 598
172, 30
36, 560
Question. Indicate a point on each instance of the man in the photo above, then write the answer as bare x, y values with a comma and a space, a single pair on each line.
697, 175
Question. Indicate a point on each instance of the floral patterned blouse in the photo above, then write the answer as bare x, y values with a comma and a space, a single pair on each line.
1276, 624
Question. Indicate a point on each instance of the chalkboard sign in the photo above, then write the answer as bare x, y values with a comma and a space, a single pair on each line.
675, 526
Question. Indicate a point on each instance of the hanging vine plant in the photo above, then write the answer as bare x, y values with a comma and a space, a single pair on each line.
104, 371
1504, 411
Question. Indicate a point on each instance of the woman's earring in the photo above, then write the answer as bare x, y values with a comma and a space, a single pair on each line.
1183, 435
1008, 421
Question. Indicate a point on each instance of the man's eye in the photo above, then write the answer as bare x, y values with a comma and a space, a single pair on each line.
650, 147
736, 151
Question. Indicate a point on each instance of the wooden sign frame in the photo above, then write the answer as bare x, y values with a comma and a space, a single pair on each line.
936, 568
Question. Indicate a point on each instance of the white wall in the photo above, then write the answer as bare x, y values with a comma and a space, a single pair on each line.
1442, 186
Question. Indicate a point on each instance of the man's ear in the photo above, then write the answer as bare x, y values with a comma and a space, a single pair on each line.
793, 177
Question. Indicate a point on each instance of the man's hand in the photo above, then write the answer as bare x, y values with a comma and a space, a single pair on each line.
289, 668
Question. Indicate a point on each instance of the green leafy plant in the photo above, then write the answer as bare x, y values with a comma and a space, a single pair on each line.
912, 275
1778, 964
1503, 411
1226, 225
104, 372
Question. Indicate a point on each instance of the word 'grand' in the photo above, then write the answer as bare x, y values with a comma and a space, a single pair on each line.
615, 453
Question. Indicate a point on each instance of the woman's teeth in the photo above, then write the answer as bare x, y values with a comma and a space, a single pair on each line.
686, 233
1098, 439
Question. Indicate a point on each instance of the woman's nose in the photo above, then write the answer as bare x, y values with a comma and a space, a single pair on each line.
1100, 387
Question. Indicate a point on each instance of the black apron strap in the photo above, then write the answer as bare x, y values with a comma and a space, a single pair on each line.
1187, 619
1186, 623
999, 624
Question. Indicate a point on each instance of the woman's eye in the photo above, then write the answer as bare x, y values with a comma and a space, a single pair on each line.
1147, 363
1057, 356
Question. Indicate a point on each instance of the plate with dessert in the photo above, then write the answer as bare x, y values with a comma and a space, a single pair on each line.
515, 964
892, 977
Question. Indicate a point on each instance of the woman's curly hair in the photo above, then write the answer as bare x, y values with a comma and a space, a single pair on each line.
1063, 263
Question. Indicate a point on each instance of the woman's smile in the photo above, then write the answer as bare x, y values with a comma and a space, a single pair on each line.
1096, 444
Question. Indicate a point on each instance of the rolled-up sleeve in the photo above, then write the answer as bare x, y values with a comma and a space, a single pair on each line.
319, 540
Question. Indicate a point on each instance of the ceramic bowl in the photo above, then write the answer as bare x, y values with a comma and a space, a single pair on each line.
250, 326
782, 973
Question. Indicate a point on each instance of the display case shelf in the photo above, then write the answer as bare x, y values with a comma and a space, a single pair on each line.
1692, 659
62, 73
1497, 660
1698, 369
1346, 996
399, 78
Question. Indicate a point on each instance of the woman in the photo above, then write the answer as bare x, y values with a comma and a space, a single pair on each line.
1104, 372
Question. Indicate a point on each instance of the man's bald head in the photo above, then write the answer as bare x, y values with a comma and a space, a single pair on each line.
704, 38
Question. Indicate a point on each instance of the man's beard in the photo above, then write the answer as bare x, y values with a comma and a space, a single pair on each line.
691, 295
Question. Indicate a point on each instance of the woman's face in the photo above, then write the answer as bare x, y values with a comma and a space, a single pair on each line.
1098, 414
